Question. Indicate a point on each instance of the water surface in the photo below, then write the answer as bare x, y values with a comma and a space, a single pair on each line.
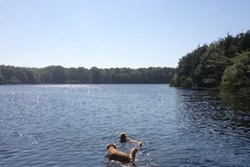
70, 125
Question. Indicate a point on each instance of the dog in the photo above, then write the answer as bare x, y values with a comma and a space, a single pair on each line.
114, 154
124, 138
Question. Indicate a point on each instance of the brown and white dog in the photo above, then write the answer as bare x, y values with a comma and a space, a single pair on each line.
114, 154
124, 138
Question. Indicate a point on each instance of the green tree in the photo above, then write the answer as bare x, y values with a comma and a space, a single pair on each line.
211, 67
95, 75
238, 74
83, 75
205, 66
187, 68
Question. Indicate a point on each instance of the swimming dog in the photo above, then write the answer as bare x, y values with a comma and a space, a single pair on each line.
114, 154
124, 138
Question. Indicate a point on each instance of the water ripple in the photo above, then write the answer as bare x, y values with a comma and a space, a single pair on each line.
70, 125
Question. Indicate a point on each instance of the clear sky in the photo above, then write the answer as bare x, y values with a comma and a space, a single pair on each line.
113, 33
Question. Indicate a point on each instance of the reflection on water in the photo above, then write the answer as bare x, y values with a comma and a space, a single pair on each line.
214, 129
239, 103
237, 100
217, 108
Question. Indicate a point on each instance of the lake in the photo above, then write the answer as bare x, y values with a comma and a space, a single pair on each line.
71, 125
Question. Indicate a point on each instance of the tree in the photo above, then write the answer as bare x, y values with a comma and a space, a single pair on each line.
83, 75
187, 68
205, 66
238, 74
211, 67
95, 75
58, 74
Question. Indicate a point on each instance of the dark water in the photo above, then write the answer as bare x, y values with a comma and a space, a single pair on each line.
70, 125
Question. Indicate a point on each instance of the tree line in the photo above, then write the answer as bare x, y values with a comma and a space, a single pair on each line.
225, 63
81, 75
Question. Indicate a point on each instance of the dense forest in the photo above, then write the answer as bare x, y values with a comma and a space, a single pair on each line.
61, 75
225, 63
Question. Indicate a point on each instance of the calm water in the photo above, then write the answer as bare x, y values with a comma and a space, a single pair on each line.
70, 125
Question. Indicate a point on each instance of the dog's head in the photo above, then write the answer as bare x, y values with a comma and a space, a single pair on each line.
111, 145
123, 137
140, 143
134, 150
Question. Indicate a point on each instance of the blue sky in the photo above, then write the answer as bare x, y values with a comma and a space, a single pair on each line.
113, 33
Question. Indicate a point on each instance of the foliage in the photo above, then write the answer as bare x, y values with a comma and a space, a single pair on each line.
238, 74
187, 66
207, 65
61, 75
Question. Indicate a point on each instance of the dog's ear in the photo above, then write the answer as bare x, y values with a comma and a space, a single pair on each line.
111, 144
